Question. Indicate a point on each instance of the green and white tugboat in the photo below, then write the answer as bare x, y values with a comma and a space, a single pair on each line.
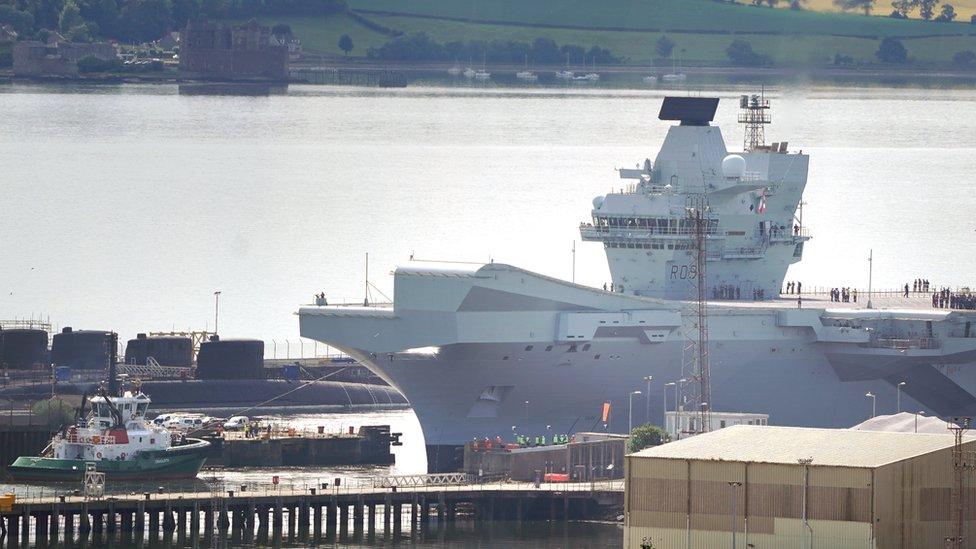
120, 441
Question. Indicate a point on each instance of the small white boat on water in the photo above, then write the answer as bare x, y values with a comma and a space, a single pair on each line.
675, 75
469, 72
565, 74
525, 74
650, 80
455, 70
482, 75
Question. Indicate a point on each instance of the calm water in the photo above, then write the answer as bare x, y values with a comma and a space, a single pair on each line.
126, 207
463, 534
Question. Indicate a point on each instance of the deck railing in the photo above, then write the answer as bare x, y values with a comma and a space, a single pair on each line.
905, 343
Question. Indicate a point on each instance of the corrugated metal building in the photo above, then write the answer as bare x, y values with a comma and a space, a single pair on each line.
860, 489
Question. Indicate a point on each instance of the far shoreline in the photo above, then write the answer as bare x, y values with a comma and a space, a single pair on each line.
621, 76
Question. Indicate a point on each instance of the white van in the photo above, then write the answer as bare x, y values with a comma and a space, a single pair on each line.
184, 423
237, 423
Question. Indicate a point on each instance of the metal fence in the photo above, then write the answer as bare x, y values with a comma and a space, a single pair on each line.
205, 486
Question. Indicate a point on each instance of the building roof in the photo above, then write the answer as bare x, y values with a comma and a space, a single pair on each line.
787, 445
904, 422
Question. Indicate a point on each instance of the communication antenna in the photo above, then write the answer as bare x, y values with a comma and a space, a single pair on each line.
695, 352
754, 114
574, 261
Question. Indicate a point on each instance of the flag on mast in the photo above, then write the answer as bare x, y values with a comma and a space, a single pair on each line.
762, 203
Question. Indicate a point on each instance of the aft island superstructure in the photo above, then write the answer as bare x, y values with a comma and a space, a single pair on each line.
491, 350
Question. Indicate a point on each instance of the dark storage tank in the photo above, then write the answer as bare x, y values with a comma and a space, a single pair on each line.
166, 350
22, 348
231, 359
83, 349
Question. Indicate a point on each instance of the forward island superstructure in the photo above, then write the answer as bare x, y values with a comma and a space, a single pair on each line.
494, 350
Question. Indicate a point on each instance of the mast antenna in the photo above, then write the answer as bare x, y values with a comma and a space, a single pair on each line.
754, 115
695, 352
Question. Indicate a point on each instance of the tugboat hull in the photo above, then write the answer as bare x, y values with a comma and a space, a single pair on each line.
178, 462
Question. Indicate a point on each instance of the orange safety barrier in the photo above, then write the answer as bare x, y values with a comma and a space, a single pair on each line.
556, 477
7, 503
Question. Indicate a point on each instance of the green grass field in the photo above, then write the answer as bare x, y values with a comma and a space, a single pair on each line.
322, 35
668, 15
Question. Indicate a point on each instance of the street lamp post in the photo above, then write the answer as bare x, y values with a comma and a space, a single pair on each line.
922, 412
874, 401
900, 385
630, 416
665, 417
677, 408
216, 309
870, 276
647, 399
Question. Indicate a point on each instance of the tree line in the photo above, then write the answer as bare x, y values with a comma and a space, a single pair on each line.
420, 46
142, 20
903, 9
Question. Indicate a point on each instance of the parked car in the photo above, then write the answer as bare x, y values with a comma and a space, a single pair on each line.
237, 423
184, 423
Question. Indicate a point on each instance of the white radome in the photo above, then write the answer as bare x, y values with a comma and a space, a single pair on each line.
733, 165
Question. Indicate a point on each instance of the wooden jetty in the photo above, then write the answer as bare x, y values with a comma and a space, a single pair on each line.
397, 506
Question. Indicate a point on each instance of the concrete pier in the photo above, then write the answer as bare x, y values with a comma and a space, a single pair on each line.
239, 514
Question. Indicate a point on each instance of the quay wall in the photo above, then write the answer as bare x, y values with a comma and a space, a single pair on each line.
16, 441
303, 513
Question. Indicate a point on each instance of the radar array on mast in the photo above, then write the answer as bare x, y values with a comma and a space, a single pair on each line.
754, 114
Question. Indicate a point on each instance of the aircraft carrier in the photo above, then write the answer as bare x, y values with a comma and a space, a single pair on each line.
491, 350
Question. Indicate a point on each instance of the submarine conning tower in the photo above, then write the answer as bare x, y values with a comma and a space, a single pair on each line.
754, 230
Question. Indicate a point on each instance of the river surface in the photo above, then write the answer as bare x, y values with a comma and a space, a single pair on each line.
125, 207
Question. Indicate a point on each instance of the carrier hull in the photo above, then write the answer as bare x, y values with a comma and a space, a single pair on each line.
457, 350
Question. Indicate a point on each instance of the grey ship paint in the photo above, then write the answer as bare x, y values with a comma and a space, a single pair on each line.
481, 351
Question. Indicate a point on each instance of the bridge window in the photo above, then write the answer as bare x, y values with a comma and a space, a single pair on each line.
528, 347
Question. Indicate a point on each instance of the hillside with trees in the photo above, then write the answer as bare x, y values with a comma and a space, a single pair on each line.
143, 20
754, 33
